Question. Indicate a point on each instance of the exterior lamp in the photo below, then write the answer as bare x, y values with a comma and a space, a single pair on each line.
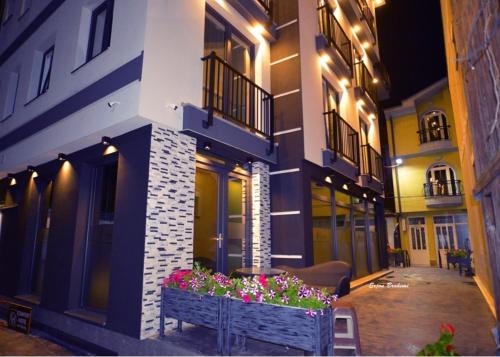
345, 187
366, 45
106, 140
364, 195
399, 161
375, 80
374, 199
12, 179
249, 161
62, 157
328, 179
345, 82
32, 171
356, 28
258, 29
207, 146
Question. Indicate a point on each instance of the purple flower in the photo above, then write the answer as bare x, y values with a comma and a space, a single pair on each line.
295, 279
227, 294
284, 299
272, 294
311, 313
211, 292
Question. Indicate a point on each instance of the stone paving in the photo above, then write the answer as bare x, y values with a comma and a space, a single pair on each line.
18, 344
400, 321
392, 321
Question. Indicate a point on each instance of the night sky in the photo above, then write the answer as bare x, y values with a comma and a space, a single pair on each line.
411, 45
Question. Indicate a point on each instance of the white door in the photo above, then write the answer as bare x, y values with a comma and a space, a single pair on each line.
446, 239
419, 250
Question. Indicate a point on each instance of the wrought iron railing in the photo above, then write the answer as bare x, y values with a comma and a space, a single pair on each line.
443, 188
268, 6
341, 138
372, 162
437, 133
367, 15
334, 34
235, 97
364, 79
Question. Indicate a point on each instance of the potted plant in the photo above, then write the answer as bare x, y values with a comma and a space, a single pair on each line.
443, 346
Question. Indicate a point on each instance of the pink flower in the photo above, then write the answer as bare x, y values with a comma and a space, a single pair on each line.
183, 285
166, 281
247, 298
263, 281
311, 313
259, 297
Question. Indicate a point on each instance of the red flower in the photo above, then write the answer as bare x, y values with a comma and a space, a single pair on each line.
247, 298
166, 281
183, 285
447, 329
449, 348
263, 281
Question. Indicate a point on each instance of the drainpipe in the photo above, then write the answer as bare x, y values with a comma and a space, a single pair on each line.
398, 209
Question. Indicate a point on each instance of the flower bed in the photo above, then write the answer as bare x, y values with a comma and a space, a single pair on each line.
280, 309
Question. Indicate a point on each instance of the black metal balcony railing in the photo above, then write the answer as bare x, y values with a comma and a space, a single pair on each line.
268, 6
364, 79
237, 98
367, 15
341, 138
372, 162
443, 188
437, 133
336, 37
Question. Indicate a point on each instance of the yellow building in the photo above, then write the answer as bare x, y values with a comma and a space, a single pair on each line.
427, 176
473, 111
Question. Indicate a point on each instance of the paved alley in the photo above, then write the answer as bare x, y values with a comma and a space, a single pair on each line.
401, 320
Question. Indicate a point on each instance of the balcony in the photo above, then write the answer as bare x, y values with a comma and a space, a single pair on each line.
372, 168
237, 116
360, 16
334, 42
365, 88
257, 12
434, 139
443, 193
342, 146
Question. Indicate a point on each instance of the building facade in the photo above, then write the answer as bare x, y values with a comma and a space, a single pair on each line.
430, 208
137, 137
472, 61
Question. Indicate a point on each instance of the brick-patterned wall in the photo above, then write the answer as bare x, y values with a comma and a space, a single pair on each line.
169, 221
261, 215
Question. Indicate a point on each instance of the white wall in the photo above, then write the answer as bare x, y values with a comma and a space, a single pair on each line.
174, 42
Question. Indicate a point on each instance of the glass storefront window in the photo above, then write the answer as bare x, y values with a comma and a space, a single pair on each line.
322, 223
344, 227
360, 250
373, 238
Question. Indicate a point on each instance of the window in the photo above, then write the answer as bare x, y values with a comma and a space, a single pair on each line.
433, 127
100, 237
45, 70
10, 97
6, 10
100, 29
25, 5
41, 242
330, 97
441, 181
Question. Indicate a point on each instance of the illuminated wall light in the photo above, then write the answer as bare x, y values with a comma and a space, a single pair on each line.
106, 140
356, 28
345, 187
366, 45
259, 29
345, 82
399, 161
12, 179
110, 149
32, 171
372, 116
374, 199
364, 195
249, 161
328, 179
207, 146
325, 58
375, 80
360, 102
62, 157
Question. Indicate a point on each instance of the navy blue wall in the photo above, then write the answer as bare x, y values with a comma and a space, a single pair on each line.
62, 286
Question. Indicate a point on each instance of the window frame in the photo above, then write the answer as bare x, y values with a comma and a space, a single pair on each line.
107, 6
326, 88
9, 108
41, 88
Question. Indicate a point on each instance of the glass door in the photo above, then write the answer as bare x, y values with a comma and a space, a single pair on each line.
445, 235
220, 219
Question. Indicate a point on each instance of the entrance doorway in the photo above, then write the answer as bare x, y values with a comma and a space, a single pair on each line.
419, 250
221, 225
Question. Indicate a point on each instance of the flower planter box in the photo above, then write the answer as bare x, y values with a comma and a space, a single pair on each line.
202, 310
284, 325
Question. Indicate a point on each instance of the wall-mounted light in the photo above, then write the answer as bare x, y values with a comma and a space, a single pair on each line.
62, 157
249, 161
328, 179
364, 195
360, 103
374, 199
259, 29
345, 82
207, 146
12, 179
356, 28
372, 116
366, 45
106, 140
399, 161
375, 80
325, 58
32, 171
345, 187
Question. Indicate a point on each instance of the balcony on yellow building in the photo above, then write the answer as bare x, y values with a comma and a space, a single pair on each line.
434, 133
446, 193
